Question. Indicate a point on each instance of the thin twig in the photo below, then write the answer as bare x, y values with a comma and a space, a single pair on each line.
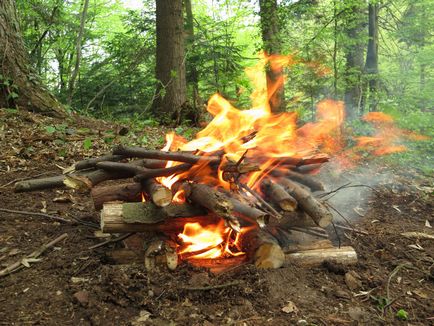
340, 214
310, 232
351, 229
394, 272
122, 237
337, 234
345, 186
211, 287
20, 264
55, 218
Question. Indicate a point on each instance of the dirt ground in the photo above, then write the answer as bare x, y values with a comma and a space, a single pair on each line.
73, 285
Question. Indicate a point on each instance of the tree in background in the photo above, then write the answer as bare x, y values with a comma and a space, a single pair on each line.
19, 85
271, 42
354, 28
171, 94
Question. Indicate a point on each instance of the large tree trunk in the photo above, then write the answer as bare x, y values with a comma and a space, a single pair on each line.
371, 65
15, 66
192, 74
170, 65
271, 42
354, 26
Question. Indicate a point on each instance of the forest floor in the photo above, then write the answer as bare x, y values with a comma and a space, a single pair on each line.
73, 285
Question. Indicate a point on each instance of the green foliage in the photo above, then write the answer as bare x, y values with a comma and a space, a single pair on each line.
401, 314
87, 144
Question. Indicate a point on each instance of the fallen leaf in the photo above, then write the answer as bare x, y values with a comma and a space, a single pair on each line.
78, 183
44, 206
427, 224
397, 208
62, 199
416, 246
13, 252
418, 235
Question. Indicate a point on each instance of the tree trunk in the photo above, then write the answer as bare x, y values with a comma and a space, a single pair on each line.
271, 42
371, 65
192, 75
354, 26
15, 67
170, 61
71, 86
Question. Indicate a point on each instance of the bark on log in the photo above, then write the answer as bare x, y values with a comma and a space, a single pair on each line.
311, 168
303, 179
159, 194
214, 201
165, 172
316, 257
315, 209
278, 195
161, 155
128, 192
253, 213
127, 168
154, 164
113, 219
86, 179
91, 162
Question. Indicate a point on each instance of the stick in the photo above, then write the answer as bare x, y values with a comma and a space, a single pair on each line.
51, 217
19, 264
161, 155
91, 162
122, 237
128, 192
312, 258
316, 210
160, 195
164, 172
126, 168
263, 202
216, 202
277, 194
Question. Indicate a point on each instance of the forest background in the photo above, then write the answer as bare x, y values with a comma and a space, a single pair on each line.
105, 58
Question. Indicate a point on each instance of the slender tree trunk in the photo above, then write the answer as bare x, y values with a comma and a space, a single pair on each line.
271, 42
192, 75
170, 66
15, 66
335, 51
371, 65
71, 85
353, 27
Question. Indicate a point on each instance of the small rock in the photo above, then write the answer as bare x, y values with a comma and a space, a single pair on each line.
290, 308
302, 322
352, 280
58, 292
82, 297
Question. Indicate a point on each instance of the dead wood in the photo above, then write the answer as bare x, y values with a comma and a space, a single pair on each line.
127, 192
315, 209
214, 201
316, 257
278, 195
303, 179
161, 155
142, 217
263, 249
154, 164
253, 213
159, 194
164, 172
91, 162
126, 168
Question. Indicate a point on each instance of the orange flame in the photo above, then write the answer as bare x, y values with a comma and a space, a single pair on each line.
210, 241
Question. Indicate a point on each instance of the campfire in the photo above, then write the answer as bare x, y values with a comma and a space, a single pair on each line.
243, 190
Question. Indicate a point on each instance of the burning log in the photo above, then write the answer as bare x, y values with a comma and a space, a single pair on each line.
299, 161
141, 217
128, 192
277, 194
164, 172
253, 213
161, 155
316, 257
265, 249
214, 201
91, 162
310, 168
315, 209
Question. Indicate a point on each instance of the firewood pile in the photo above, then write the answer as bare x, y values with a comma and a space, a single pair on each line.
175, 197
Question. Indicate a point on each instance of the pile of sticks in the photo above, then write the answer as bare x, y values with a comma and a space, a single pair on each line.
283, 209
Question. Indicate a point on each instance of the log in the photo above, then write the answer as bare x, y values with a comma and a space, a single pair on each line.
164, 172
128, 192
308, 169
260, 217
142, 217
162, 155
214, 201
154, 164
159, 194
91, 162
278, 195
303, 179
315, 209
316, 257
263, 249
84, 180
127, 168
